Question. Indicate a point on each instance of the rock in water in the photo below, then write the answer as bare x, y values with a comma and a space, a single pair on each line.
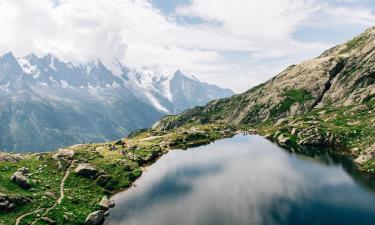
21, 180
95, 218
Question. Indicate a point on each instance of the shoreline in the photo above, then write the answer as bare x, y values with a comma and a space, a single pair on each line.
144, 149
120, 165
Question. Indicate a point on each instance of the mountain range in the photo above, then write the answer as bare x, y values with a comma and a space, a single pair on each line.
47, 103
322, 107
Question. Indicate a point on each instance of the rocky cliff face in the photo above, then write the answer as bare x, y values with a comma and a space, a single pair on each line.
341, 76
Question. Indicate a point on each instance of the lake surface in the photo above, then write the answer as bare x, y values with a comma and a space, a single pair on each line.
246, 180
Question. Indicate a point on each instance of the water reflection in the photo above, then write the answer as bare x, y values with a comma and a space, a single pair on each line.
244, 180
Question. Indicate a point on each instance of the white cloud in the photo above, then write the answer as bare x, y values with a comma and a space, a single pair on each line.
138, 34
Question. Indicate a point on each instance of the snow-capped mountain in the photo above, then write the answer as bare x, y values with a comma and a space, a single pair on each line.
47, 103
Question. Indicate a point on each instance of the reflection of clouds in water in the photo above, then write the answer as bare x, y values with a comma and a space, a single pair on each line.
243, 180
247, 187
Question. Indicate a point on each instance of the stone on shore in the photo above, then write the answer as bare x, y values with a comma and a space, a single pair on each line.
366, 155
95, 218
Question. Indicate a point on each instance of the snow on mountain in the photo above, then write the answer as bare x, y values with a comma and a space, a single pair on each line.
47, 103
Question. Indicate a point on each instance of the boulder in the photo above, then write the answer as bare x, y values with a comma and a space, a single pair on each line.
120, 142
9, 202
64, 154
95, 218
282, 139
104, 203
87, 170
5, 157
21, 180
4, 202
24, 170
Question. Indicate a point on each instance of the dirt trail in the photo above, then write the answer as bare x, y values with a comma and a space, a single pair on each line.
58, 201
26, 214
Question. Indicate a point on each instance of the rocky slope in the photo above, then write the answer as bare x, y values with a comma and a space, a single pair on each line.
47, 103
341, 76
326, 103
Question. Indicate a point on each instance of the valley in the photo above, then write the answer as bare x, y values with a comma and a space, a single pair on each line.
322, 106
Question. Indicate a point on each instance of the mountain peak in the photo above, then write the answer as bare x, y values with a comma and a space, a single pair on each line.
178, 73
8, 57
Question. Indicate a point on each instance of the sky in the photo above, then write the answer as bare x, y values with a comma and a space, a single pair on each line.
231, 43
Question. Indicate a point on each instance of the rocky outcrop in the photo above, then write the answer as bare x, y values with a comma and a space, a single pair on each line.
64, 154
357, 109
4, 157
315, 137
282, 139
87, 170
95, 218
105, 203
10, 202
366, 155
19, 179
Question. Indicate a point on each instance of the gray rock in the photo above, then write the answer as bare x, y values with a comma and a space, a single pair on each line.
9, 202
357, 109
64, 154
87, 170
104, 203
95, 218
21, 180
282, 139
120, 142
5, 157
24, 170
366, 155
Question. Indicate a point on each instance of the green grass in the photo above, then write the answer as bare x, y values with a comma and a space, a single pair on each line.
354, 132
291, 97
354, 43
82, 195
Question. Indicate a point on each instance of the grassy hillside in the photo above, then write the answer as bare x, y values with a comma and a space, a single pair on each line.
117, 165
